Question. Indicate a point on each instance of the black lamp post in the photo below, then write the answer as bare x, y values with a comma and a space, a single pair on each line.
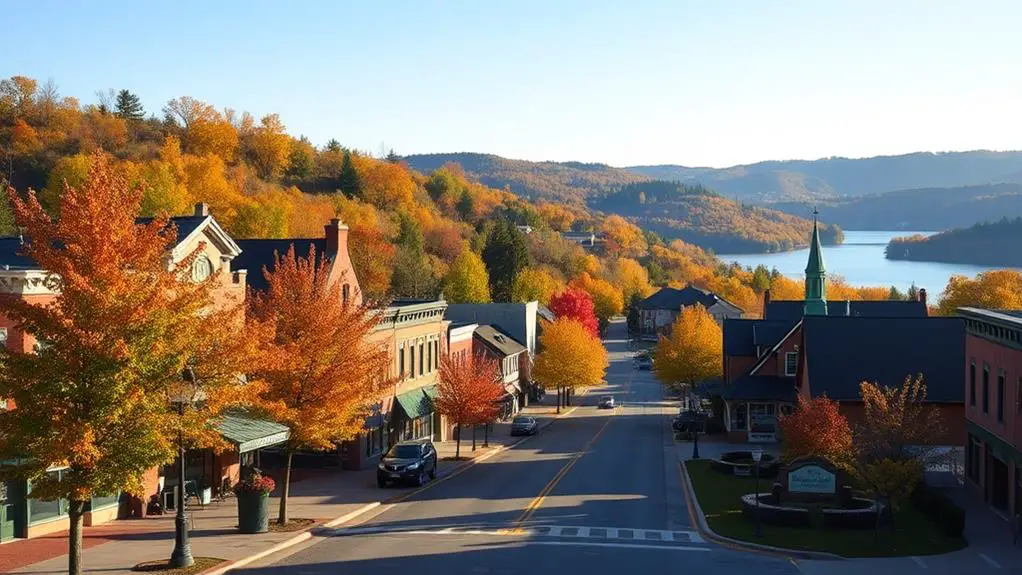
183, 396
757, 454
695, 439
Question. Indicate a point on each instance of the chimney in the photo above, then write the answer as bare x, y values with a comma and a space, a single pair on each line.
922, 296
766, 301
201, 210
336, 237
848, 308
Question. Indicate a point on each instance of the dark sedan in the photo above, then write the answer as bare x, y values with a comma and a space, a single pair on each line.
408, 462
524, 425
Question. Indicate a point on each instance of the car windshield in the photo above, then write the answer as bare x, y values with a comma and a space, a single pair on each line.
404, 452
606, 398
521, 420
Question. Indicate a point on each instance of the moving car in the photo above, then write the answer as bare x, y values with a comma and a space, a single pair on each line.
643, 362
524, 425
606, 402
408, 462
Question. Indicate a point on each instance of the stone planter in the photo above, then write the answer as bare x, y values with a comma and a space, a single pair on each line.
253, 512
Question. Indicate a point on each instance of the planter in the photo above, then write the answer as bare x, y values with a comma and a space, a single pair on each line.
253, 512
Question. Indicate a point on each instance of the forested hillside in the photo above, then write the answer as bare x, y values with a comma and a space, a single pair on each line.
808, 180
926, 209
698, 215
986, 243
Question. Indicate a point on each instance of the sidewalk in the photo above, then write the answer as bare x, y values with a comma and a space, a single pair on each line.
322, 495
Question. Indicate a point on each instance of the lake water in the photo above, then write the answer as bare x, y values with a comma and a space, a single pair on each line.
860, 261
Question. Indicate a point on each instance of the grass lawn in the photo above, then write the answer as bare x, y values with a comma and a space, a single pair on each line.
719, 498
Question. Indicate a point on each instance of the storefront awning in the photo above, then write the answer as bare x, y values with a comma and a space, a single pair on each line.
249, 433
417, 402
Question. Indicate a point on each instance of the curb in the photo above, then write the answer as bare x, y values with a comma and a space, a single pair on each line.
704, 529
306, 534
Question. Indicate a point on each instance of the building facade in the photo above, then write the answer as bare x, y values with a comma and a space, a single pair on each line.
658, 312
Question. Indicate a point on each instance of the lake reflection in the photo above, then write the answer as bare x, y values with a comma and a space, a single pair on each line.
860, 261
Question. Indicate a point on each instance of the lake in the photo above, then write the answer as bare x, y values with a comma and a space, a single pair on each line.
860, 261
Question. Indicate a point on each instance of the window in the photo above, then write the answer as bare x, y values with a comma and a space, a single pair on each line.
436, 355
972, 383
986, 389
790, 363
345, 293
739, 417
202, 268
1000, 396
429, 355
401, 361
411, 366
422, 358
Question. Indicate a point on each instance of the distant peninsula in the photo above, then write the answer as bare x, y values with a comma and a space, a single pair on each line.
985, 243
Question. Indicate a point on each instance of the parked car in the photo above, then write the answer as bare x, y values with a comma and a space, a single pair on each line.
606, 402
524, 425
408, 462
687, 421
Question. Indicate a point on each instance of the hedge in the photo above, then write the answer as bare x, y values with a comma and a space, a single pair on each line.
945, 513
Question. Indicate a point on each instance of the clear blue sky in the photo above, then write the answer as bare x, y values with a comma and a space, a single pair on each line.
711, 82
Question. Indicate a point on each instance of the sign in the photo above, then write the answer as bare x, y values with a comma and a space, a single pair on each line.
812, 479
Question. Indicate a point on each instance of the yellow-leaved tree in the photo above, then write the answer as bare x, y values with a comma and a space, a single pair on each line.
467, 280
534, 284
570, 357
997, 289
693, 351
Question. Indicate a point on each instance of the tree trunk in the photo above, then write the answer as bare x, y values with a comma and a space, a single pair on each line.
558, 400
457, 445
486, 435
285, 490
75, 512
474, 426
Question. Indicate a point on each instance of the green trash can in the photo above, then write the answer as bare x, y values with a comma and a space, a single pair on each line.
253, 512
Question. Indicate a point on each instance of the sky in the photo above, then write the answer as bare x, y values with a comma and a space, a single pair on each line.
697, 83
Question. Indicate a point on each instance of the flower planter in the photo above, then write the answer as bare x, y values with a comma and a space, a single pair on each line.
253, 512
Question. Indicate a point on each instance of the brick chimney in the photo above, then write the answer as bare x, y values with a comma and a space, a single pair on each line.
201, 210
336, 237
922, 296
766, 301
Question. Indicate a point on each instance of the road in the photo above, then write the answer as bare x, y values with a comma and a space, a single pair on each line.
597, 492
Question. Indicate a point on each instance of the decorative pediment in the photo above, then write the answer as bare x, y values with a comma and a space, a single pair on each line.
28, 283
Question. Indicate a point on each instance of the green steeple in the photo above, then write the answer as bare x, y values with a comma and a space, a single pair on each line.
816, 276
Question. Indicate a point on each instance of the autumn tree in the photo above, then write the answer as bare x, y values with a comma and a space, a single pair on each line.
129, 106
577, 305
817, 428
534, 284
692, 352
269, 147
467, 280
301, 159
468, 392
995, 289
413, 273
123, 325
623, 238
571, 357
607, 299
506, 256
630, 278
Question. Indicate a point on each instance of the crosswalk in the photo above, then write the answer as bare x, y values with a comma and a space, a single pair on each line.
626, 534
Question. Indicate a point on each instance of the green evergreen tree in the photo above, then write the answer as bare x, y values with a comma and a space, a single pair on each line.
761, 278
413, 274
913, 292
895, 294
300, 161
466, 206
129, 106
333, 146
505, 255
633, 313
350, 184
8, 227
392, 157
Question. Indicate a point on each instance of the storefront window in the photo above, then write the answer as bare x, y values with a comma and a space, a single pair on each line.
739, 417
43, 510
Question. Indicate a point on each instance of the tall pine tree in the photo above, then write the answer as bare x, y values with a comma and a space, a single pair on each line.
351, 186
129, 106
505, 256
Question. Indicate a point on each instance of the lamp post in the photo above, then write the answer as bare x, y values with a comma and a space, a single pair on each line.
695, 439
184, 394
757, 454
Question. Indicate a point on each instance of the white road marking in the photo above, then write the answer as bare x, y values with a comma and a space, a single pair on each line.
621, 545
918, 561
990, 561
534, 531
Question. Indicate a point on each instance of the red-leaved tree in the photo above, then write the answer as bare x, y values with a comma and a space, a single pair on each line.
576, 304
469, 392
817, 428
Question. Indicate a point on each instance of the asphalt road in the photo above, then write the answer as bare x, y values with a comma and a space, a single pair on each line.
597, 492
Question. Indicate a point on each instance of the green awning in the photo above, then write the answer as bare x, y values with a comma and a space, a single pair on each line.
417, 402
249, 433
431, 392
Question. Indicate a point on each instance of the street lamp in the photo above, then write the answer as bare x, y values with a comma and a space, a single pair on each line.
695, 439
757, 454
182, 394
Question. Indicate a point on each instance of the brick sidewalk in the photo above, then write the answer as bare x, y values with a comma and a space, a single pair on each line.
322, 495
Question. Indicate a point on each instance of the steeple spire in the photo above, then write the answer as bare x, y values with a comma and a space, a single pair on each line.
816, 275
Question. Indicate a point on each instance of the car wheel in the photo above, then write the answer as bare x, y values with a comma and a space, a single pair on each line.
432, 472
421, 480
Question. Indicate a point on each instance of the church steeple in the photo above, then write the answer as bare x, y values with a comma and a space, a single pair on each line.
816, 275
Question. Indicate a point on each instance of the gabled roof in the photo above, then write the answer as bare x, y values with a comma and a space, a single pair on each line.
675, 299
742, 336
791, 310
545, 313
499, 341
11, 257
842, 352
258, 254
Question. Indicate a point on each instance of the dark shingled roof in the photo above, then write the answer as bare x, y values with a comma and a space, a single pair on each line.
675, 299
185, 224
500, 341
842, 352
791, 310
762, 387
741, 336
257, 254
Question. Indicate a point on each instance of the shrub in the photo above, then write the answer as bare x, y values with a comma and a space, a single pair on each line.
255, 483
939, 508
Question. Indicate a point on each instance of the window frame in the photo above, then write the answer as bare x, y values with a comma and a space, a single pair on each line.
791, 355
986, 388
972, 384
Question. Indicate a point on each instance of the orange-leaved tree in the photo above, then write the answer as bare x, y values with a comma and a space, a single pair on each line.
320, 369
469, 391
124, 323
571, 356
692, 352
817, 428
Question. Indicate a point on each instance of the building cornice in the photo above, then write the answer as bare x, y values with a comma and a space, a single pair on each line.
28, 282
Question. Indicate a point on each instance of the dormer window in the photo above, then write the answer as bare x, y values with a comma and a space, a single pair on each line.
202, 268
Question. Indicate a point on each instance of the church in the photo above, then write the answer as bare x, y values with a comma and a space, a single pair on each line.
813, 347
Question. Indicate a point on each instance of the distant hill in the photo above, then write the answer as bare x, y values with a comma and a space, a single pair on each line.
572, 182
987, 243
808, 180
700, 216
926, 209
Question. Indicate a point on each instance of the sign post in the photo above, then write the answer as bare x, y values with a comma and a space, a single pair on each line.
757, 454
